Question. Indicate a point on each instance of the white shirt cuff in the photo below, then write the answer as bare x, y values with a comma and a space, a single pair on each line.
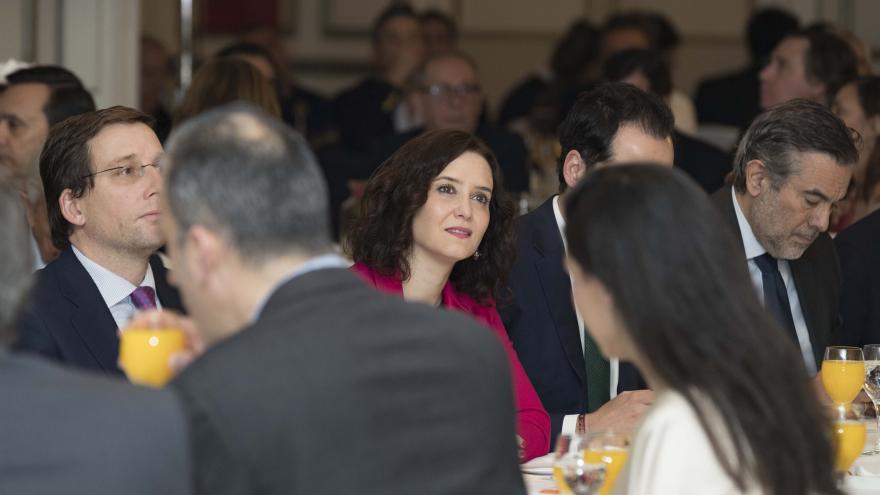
569, 424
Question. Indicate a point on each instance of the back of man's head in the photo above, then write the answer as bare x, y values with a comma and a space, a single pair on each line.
50, 75
245, 175
765, 29
797, 126
829, 60
597, 115
15, 256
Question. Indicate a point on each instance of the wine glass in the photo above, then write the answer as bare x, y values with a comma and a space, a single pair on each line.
872, 386
571, 471
849, 436
610, 448
843, 374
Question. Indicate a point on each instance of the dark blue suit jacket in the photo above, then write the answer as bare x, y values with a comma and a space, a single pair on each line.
67, 320
542, 324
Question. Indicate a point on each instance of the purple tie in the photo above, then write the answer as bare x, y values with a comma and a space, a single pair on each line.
144, 298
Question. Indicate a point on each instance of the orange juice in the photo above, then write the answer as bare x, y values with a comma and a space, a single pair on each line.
559, 478
843, 379
613, 458
144, 353
849, 442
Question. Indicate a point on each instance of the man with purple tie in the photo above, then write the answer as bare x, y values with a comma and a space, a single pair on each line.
102, 184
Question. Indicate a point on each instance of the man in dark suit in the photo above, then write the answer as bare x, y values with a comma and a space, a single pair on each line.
793, 163
313, 382
63, 431
860, 270
102, 187
616, 122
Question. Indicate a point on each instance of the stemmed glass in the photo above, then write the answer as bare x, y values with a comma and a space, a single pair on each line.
843, 374
610, 448
872, 386
571, 471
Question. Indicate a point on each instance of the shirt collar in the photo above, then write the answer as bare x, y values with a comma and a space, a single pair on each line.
560, 221
113, 288
317, 263
752, 247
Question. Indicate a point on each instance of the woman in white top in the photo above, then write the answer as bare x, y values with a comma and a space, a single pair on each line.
660, 282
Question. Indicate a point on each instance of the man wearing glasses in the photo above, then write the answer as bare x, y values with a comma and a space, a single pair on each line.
445, 93
102, 192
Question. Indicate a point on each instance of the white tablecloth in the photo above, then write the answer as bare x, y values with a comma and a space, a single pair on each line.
866, 467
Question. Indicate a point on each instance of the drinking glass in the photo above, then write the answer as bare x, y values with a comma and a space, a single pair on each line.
872, 386
571, 471
610, 448
849, 442
843, 374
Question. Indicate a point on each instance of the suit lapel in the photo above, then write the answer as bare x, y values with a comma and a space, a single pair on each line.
809, 298
556, 285
91, 319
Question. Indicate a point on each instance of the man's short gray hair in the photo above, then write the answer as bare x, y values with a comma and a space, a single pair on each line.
797, 126
246, 175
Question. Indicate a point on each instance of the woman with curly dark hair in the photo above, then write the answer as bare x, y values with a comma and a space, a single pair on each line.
437, 228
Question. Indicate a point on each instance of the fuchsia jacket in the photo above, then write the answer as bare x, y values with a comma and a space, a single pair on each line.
532, 421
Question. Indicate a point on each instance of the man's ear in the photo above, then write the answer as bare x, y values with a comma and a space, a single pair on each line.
204, 251
71, 208
573, 168
757, 178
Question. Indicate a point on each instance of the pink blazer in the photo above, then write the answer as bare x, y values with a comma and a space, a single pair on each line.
532, 421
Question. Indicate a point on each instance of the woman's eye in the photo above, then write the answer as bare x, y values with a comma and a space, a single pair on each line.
482, 198
446, 189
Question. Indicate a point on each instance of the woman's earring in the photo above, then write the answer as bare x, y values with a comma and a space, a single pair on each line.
477, 255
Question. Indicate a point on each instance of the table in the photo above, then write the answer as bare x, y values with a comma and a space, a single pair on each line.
866, 484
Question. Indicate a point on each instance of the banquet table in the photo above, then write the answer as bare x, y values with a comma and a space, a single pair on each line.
864, 478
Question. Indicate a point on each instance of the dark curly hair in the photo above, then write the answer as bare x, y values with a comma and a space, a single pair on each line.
382, 237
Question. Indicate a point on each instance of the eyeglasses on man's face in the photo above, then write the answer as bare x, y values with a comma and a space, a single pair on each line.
450, 90
126, 173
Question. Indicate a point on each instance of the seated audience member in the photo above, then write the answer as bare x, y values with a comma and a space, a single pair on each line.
66, 432
365, 112
809, 64
35, 99
860, 284
436, 227
440, 32
726, 378
305, 362
449, 96
734, 99
646, 30
303, 109
792, 165
858, 105
222, 81
572, 68
646, 70
156, 84
578, 387
102, 184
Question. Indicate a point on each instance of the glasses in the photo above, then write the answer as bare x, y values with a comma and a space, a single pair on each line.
448, 90
126, 173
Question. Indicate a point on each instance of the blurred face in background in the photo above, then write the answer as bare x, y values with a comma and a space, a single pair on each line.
848, 107
438, 38
400, 44
624, 38
451, 97
23, 126
785, 77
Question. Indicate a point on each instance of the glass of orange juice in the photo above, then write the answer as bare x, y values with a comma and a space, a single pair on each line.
849, 441
843, 374
610, 448
571, 471
144, 353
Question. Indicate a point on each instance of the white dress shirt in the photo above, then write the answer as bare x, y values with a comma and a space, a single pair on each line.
115, 290
754, 249
570, 421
